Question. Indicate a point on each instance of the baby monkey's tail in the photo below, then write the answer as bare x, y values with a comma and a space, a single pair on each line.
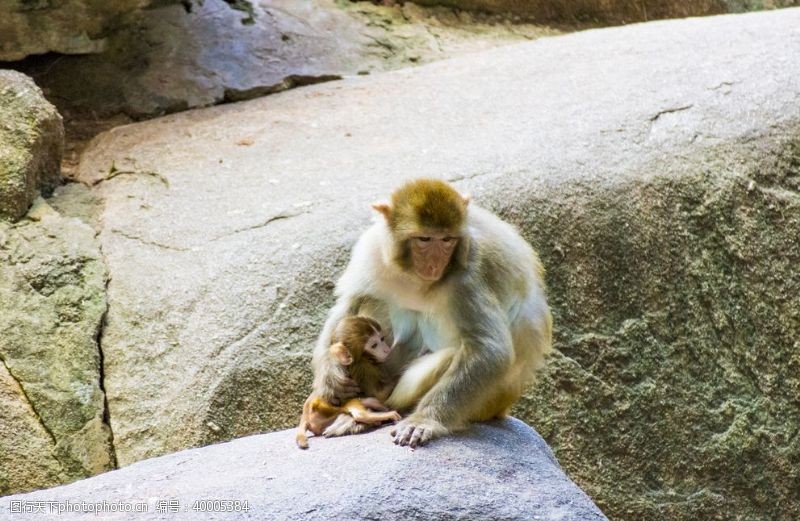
300, 438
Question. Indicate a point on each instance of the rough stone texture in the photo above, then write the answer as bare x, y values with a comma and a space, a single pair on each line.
611, 11
674, 393
64, 26
500, 470
26, 448
52, 299
659, 183
169, 60
31, 143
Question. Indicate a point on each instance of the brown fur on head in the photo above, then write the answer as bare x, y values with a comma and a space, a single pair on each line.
350, 337
428, 204
427, 208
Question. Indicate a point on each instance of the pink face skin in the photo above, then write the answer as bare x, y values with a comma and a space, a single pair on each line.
430, 254
377, 347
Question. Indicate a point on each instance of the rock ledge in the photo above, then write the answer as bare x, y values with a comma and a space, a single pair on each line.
498, 470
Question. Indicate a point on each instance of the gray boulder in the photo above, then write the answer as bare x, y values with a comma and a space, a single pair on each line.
168, 60
31, 144
499, 470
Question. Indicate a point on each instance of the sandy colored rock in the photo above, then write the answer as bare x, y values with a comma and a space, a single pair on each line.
52, 300
500, 470
27, 461
31, 143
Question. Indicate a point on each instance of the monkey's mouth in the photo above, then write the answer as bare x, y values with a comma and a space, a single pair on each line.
431, 274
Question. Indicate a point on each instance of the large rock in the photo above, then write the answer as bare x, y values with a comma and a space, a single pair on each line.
31, 143
609, 11
500, 470
659, 183
67, 26
52, 300
169, 60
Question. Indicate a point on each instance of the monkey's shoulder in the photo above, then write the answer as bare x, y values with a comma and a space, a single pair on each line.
494, 235
366, 261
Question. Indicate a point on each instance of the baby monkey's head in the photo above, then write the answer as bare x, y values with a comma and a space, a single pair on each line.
357, 338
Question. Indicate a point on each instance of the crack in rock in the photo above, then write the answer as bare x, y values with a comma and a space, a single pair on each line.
723, 84
277, 217
30, 403
670, 111
116, 173
232, 95
148, 242
98, 339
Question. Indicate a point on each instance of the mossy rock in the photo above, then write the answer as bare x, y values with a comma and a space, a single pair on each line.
31, 144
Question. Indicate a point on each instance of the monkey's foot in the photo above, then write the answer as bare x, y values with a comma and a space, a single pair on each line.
416, 431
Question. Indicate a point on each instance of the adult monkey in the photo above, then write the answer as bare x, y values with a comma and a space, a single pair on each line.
452, 278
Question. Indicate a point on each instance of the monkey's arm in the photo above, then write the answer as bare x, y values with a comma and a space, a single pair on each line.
331, 380
474, 372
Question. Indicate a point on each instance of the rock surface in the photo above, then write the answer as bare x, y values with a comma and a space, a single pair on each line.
31, 143
500, 470
610, 11
660, 185
52, 300
169, 60
68, 26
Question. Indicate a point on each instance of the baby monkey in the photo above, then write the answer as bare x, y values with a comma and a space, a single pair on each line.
359, 344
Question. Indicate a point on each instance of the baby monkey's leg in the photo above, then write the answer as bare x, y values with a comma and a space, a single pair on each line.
360, 413
359, 417
345, 424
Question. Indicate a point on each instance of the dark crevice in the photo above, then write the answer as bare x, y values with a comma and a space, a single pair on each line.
233, 95
98, 340
245, 7
116, 173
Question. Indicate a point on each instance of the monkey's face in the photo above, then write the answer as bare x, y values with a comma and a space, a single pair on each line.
431, 254
377, 348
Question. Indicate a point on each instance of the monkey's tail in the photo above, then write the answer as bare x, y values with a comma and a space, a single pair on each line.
300, 438
418, 379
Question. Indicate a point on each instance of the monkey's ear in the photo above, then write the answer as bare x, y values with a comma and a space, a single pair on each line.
466, 198
341, 354
384, 209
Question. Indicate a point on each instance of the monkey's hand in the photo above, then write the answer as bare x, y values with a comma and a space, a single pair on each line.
416, 430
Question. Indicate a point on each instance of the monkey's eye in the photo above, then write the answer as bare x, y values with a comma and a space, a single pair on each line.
448, 239
383, 338
373, 346
423, 239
